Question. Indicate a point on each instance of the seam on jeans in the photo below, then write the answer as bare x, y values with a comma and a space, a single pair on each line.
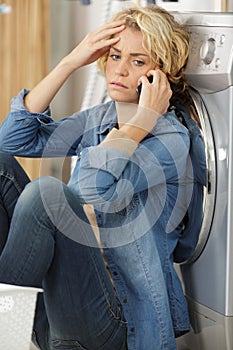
19, 275
12, 178
119, 317
161, 323
102, 281
172, 298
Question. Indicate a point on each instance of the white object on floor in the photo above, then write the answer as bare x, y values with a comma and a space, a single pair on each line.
32, 347
17, 309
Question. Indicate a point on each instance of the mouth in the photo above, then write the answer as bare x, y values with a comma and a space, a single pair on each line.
117, 85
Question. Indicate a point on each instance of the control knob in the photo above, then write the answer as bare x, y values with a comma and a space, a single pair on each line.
208, 50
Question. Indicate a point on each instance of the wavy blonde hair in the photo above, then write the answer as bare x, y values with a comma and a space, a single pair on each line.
165, 41
167, 44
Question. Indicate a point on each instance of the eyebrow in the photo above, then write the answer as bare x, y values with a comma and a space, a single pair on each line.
134, 54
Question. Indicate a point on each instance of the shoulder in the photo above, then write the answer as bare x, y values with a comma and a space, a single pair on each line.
101, 109
168, 126
94, 116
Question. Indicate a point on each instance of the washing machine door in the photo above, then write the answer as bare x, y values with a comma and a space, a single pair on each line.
210, 189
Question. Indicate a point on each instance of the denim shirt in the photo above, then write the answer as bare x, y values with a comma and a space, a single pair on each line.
140, 198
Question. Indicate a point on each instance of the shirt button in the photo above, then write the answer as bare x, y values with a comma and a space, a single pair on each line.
125, 301
115, 273
132, 329
99, 215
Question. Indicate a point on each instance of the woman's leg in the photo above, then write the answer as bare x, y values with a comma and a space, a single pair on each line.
13, 179
53, 243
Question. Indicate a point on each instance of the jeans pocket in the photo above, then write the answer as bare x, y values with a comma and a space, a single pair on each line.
66, 345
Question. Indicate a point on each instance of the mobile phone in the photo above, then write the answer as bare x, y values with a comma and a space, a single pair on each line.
139, 88
150, 78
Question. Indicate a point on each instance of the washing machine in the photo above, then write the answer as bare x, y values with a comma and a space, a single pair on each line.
208, 275
193, 5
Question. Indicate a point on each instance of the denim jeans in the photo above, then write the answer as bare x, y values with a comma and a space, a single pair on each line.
79, 308
12, 182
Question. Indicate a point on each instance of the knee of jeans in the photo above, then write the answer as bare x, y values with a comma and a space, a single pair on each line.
36, 190
48, 197
50, 193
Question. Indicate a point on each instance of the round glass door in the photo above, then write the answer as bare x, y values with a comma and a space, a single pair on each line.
210, 189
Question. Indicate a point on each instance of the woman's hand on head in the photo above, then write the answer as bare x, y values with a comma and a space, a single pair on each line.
156, 95
94, 45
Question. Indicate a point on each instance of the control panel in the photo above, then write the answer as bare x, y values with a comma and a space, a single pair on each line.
190, 5
211, 57
210, 63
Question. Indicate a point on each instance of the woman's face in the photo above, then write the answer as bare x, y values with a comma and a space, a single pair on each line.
126, 63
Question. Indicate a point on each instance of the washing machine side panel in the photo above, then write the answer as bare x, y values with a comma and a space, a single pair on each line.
229, 270
207, 280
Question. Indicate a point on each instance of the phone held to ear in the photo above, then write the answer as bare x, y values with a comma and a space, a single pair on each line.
139, 88
150, 78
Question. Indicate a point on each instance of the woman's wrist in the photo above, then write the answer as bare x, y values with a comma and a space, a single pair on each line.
67, 66
141, 124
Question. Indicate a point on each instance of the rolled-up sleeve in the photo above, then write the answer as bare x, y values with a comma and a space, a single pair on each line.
36, 134
119, 166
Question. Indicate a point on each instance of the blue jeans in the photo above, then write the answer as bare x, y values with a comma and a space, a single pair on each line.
79, 308
12, 182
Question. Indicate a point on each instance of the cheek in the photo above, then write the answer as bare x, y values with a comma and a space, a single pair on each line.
108, 68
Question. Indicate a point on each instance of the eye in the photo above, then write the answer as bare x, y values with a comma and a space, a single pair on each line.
115, 57
139, 63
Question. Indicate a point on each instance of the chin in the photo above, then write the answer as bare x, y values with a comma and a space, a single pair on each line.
121, 97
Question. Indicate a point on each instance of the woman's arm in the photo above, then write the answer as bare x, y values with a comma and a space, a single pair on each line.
153, 102
94, 45
28, 134
111, 173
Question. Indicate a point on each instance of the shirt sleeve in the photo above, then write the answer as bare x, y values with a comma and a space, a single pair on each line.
36, 134
119, 167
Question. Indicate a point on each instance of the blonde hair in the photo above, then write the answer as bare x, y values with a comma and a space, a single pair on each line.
165, 40
167, 44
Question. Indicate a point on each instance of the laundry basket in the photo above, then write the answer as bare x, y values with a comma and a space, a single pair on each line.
17, 309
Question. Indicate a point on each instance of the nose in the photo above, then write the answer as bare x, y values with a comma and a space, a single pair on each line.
122, 68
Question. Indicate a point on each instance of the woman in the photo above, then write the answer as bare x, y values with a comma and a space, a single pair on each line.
102, 246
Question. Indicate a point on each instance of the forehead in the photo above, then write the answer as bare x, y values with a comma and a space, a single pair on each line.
130, 40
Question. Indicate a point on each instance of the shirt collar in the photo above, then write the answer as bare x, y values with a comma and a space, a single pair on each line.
109, 120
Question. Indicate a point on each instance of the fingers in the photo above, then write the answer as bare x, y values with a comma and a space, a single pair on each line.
95, 44
111, 26
155, 95
104, 37
159, 78
108, 30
